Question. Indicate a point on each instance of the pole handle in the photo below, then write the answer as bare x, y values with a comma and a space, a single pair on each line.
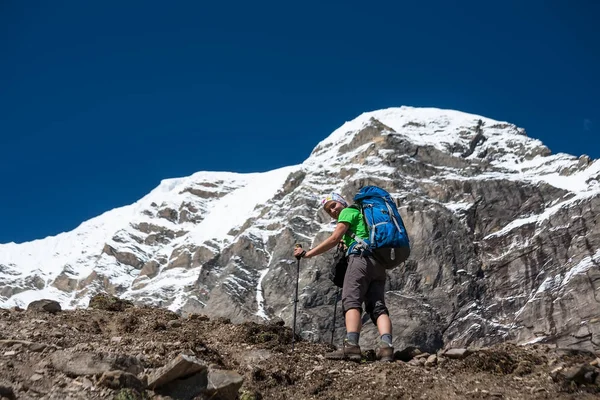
298, 246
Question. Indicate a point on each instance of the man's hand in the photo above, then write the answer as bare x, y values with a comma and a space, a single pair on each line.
299, 252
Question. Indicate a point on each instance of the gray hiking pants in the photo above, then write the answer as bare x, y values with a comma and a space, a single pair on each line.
364, 283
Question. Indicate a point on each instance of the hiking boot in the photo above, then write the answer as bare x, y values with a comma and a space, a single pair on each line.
385, 352
349, 351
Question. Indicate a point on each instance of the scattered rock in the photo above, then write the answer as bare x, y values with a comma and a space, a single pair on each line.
120, 379
186, 388
431, 360
88, 363
180, 367
109, 303
198, 317
14, 343
174, 324
48, 306
249, 395
554, 373
37, 347
418, 362
407, 354
57, 334
457, 354
36, 377
252, 357
581, 375
223, 384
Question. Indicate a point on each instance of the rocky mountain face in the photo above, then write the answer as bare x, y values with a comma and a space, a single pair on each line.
505, 238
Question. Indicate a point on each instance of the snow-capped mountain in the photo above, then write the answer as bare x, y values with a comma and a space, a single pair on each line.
505, 237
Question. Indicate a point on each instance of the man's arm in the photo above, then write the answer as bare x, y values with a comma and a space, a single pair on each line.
330, 242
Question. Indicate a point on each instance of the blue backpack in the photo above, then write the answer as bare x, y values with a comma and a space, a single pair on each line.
388, 241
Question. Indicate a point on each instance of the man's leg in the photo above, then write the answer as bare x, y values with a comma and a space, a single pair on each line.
352, 295
384, 325
353, 292
378, 312
375, 306
385, 349
353, 322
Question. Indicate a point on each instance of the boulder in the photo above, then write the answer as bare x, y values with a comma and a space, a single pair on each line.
45, 305
223, 384
182, 366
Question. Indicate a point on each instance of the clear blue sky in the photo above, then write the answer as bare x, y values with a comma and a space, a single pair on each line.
100, 100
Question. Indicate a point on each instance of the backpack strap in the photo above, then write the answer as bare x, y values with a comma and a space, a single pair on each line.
392, 215
361, 245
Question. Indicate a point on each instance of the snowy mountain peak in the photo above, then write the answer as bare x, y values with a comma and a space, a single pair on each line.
422, 126
502, 145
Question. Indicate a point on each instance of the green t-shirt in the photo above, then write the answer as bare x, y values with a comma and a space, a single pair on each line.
354, 218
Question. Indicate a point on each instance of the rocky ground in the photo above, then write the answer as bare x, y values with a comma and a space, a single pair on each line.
113, 350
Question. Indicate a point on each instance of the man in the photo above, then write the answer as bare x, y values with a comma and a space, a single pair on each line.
364, 282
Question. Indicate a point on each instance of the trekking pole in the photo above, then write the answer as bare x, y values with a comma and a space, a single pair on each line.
337, 293
340, 250
296, 296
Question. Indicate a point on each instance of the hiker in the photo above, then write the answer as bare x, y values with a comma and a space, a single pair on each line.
364, 281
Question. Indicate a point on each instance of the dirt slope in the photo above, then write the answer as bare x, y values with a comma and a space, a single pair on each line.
36, 348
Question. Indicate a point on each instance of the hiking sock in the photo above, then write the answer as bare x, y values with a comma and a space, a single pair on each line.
353, 337
387, 338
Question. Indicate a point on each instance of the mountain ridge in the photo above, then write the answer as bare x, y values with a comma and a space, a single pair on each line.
493, 216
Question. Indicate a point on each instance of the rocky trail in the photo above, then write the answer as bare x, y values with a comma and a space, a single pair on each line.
113, 350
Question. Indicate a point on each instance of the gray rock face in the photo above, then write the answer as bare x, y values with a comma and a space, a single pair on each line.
505, 238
